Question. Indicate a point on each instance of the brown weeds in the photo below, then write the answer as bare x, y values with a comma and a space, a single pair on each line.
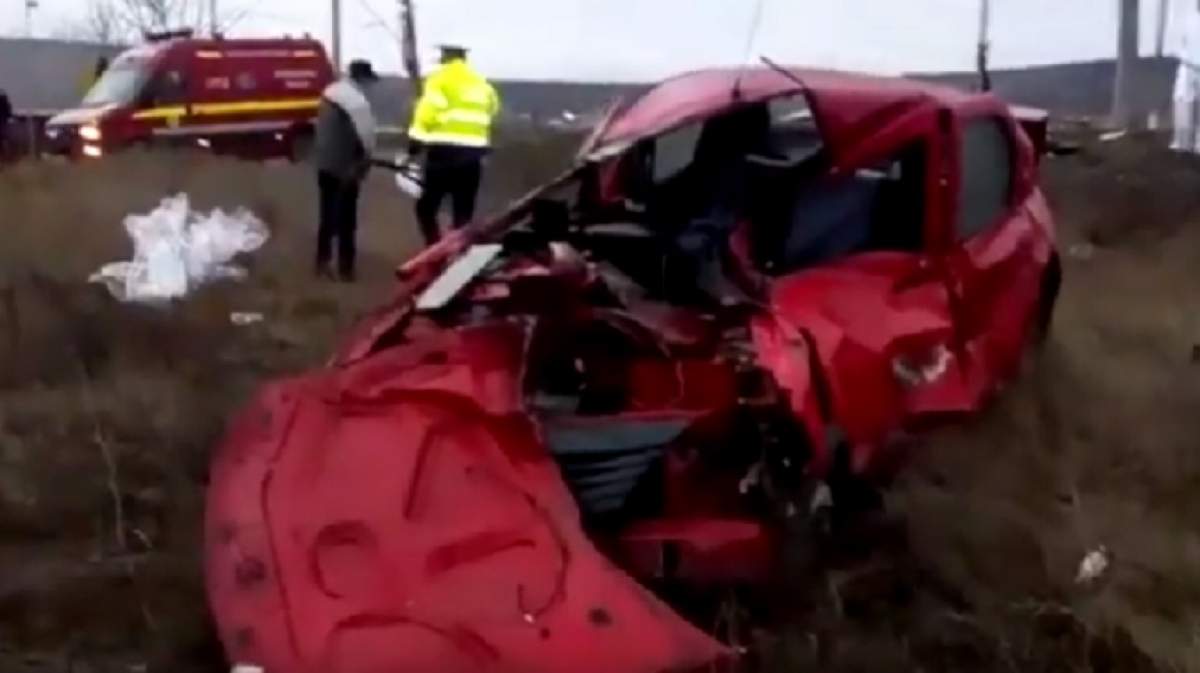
108, 412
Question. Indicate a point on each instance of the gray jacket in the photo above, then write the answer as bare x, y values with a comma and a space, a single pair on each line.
338, 150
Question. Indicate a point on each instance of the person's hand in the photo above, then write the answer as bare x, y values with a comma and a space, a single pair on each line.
361, 171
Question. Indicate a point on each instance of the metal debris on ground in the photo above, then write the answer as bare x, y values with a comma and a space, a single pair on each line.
244, 319
1082, 251
1093, 566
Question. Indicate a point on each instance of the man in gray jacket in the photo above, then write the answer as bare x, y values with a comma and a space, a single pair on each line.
345, 141
6, 113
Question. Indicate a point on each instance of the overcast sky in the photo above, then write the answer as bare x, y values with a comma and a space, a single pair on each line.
647, 39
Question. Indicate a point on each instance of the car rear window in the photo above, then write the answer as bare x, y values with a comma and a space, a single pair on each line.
985, 192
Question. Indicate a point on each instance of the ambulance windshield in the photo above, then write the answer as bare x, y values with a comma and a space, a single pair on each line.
120, 84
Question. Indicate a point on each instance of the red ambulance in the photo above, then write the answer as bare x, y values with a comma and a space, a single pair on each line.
255, 98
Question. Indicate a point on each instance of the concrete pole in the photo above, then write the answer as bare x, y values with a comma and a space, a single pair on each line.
30, 5
337, 35
408, 47
213, 27
985, 45
1164, 14
1127, 56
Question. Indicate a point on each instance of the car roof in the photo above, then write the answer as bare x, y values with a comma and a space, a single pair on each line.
839, 100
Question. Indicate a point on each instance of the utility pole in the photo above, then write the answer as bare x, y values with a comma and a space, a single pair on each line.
337, 35
213, 28
1164, 13
30, 5
985, 45
1127, 56
408, 43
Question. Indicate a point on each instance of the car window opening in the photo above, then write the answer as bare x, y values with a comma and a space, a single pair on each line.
692, 216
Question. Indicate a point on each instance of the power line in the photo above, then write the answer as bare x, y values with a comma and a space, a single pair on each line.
755, 25
752, 35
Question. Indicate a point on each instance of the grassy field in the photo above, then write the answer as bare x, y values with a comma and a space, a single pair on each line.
107, 413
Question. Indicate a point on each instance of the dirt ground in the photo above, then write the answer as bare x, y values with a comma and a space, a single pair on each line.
107, 414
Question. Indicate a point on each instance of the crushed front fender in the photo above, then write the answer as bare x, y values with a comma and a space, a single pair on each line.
403, 515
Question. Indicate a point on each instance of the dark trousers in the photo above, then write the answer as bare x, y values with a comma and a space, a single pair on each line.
449, 171
339, 221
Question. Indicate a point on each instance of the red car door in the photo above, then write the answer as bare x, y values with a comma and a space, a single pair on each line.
857, 272
1000, 247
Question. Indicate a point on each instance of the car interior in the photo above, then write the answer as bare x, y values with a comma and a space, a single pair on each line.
760, 170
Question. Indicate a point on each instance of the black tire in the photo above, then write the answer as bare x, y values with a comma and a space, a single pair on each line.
1052, 280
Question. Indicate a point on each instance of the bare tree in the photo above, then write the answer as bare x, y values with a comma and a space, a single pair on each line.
99, 24
115, 21
102, 24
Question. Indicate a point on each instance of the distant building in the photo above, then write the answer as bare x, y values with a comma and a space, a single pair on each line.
47, 74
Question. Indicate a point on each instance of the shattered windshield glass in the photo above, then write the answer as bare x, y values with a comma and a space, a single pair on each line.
120, 84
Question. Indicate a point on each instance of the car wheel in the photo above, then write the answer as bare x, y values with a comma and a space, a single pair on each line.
1048, 300
1037, 335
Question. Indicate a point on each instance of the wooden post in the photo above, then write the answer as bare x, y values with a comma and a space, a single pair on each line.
31, 136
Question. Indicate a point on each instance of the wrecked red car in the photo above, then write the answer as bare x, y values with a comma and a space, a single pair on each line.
732, 314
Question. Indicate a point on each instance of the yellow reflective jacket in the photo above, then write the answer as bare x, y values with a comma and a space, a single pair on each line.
457, 107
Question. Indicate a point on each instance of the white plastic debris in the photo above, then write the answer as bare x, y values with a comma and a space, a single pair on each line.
1113, 136
176, 250
410, 177
245, 319
752, 479
1081, 251
822, 498
1093, 566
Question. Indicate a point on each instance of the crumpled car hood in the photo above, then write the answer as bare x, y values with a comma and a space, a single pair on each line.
402, 515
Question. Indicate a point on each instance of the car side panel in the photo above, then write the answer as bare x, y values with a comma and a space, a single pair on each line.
996, 275
865, 315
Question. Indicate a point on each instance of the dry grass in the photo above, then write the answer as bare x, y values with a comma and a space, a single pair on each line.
108, 412
97, 397
974, 571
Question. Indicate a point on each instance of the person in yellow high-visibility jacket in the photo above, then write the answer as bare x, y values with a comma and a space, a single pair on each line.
452, 128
